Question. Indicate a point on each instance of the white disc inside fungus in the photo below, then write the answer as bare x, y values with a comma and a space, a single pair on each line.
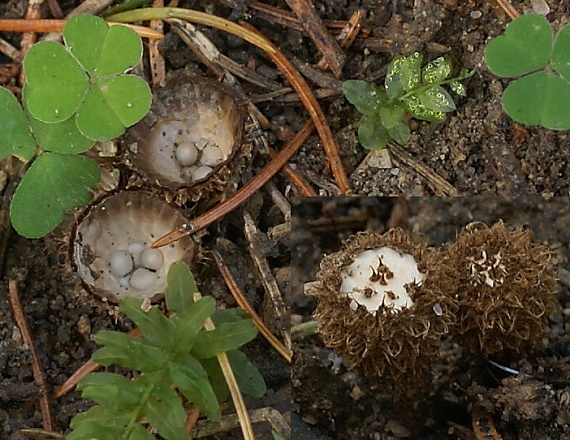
379, 277
120, 263
211, 156
136, 249
200, 172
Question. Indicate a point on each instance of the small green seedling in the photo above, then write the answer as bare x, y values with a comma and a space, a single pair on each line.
408, 88
74, 95
174, 359
528, 50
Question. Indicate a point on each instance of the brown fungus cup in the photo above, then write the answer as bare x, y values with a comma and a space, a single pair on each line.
504, 286
110, 246
379, 308
191, 141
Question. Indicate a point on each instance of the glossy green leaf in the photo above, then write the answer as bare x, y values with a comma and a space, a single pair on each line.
226, 336
420, 111
16, 138
62, 137
247, 376
112, 104
525, 47
55, 82
561, 53
458, 88
111, 390
436, 71
371, 133
410, 74
437, 99
140, 433
400, 132
191, 379
180, 288
216, 377
154, 326
128, 352
166, 414
99, 423
392, 81
190, 322
364, 96
539, 98
53, 185
102, 50
229, 315
392, 115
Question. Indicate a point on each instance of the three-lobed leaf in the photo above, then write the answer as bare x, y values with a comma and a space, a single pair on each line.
53, 185
525, 47
16, 138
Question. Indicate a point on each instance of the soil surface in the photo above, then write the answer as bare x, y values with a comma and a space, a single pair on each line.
335, 403
478, 150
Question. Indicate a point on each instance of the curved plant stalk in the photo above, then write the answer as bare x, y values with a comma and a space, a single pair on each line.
52, 25
250, 34
237, 398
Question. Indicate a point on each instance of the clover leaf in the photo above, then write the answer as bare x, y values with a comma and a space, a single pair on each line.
16, 138
528, 50
86, 78
53, 185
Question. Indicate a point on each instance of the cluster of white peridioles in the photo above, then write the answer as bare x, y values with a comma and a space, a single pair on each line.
136, 266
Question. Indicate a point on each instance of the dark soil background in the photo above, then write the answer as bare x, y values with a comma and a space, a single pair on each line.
477, 150
333, 402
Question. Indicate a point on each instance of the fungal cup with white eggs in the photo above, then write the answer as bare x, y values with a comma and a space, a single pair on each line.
111, 246
192, 131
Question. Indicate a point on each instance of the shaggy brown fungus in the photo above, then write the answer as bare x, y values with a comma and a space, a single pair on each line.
110, 247
379, 308
504, 286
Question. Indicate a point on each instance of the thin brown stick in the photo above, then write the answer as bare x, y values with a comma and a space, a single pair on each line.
241, 195
52, 25
314, 109
305, 189
348, 33
37, 369
326, 44
156, 60
244, 304
508, 8
55, 9
33, 12
88, 367
191, 420
438, 184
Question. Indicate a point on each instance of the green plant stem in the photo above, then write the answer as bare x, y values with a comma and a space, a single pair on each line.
237, 398
427, 86
135, 416
304, 329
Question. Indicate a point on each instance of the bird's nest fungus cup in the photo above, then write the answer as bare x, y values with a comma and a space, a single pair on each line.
379, 308
191, 140
504, 285
110, 246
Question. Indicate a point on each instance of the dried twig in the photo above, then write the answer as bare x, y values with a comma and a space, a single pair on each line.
508, 8
348, 33
267, 278
438, 184
241, 195
37, 369
157, 64
327, 45
244, 304
33, 12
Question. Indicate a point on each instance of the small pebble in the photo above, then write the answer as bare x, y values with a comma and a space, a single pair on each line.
121, 263
475, 15
84, 325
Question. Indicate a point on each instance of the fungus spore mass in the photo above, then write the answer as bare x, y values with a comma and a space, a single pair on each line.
136, 266
378, 277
